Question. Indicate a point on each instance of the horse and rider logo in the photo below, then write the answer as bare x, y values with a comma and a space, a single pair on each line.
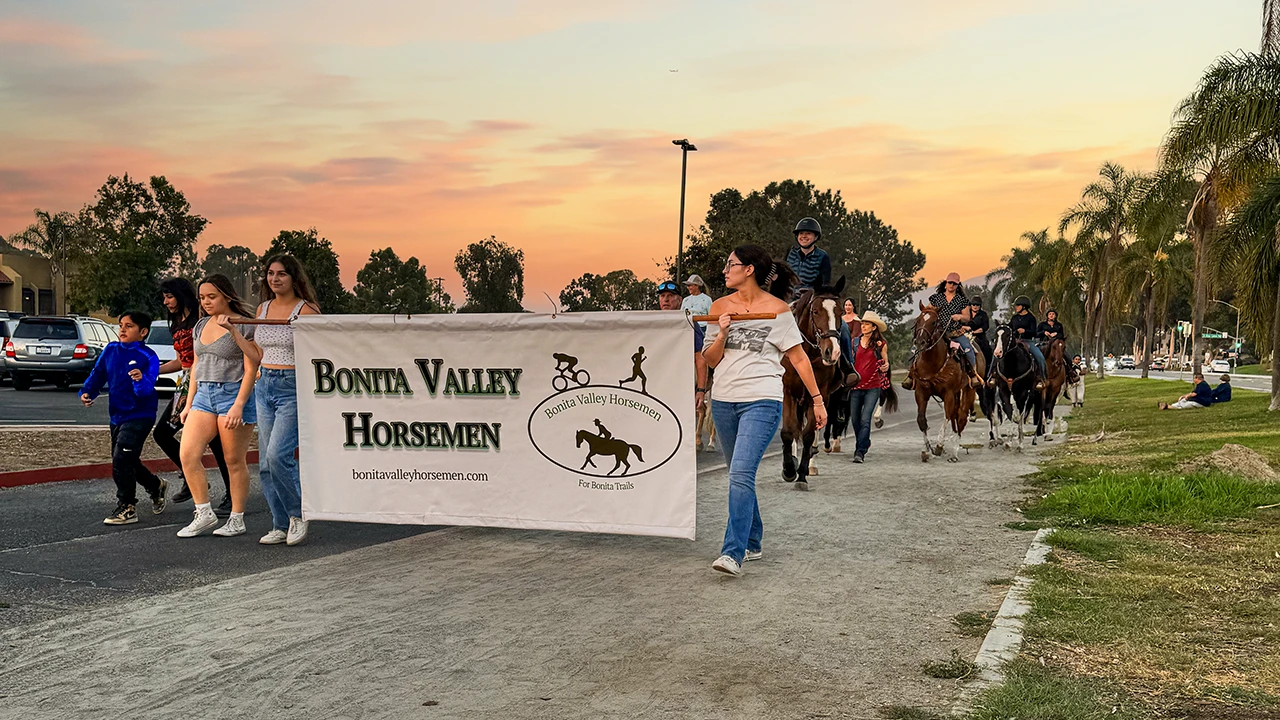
575, 427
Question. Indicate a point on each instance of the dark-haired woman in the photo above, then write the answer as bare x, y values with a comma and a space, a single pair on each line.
286, 294
747, 407
184, 311
222, 404
871, 360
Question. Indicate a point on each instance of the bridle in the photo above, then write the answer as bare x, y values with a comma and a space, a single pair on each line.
937, 326
803, 304
1031, 361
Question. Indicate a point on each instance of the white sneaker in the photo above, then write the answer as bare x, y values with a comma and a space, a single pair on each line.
202, 523
727, 565
234, 527
297, 530
275, 537
753, 555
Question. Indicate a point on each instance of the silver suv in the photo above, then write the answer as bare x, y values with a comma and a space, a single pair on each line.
8, 321
61, 350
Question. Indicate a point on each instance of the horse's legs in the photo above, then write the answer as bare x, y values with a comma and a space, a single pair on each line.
922, 403
807, 436
588, 460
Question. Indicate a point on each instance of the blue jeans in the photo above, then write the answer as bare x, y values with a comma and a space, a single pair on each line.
277, 394
862, 405
963, 342
748, 427
1034, 347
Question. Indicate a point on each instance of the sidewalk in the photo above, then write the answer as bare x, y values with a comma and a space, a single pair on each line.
860, 579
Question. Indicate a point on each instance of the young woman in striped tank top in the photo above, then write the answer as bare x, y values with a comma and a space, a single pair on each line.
286, 294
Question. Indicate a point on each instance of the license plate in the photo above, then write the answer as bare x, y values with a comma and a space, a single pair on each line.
44, 351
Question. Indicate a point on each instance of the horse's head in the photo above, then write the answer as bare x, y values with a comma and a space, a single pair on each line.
818, 316
1057, 351
582, 436
1003, 341
927, 330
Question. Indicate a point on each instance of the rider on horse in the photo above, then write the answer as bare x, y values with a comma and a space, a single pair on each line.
951, 304
1024, 327
979, 324
812, 267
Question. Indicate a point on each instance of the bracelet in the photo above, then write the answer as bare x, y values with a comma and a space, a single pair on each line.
699, 390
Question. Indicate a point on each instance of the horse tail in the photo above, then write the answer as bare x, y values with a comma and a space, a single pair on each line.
889, 398
636, 450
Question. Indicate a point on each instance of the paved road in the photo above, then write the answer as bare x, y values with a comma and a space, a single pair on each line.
47, 405
1260, 383
858, 586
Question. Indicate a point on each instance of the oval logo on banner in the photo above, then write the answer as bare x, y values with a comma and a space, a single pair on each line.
605, 431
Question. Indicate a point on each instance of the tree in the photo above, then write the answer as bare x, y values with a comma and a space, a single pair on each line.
1271, 27
1105, 212
237, 262
492, 275
1254, 232
880, 269
59, 237
134, 234
1224, 137
387, 284
318, 258
618, 290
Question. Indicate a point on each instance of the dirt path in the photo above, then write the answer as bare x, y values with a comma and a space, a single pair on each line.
860, 579
56, 447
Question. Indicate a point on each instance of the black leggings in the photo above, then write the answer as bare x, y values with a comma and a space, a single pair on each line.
166, 438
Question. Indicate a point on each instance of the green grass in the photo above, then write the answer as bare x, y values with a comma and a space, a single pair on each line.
1258, 369
954, 668
973, 624
1094, 546
1089, 496
997, 582
1031, 692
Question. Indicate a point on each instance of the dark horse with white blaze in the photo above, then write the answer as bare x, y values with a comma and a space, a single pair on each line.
1015, 379
939, 374
819, 322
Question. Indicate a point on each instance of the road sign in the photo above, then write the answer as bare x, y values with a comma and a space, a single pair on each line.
1213, 336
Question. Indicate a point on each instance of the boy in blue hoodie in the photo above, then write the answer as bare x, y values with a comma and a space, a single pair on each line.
129, 369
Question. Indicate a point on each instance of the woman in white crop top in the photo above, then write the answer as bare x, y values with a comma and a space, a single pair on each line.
747, 407
287, 293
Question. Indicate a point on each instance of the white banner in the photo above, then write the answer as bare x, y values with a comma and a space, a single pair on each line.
582, 421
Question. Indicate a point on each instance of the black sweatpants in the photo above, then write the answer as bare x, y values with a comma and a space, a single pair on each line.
166, 437
127, 469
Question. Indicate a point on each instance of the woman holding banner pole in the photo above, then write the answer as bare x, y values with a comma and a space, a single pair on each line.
747, 408
286, 294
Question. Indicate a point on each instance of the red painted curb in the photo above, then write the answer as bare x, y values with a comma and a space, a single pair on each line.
93, 472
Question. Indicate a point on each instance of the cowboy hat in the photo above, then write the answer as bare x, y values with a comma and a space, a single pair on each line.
695, 280
871, 316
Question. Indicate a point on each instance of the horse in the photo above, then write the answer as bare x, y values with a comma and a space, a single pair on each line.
939, 374
1014, 377
988, 397
703, 423
1055, 379
620, 450
819, 322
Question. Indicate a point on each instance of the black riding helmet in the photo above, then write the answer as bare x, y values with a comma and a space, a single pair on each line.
1050, 310
1024, 301
975, 301
808, 224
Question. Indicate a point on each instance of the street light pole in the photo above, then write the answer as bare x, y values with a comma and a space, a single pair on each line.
1236, 339
686, 147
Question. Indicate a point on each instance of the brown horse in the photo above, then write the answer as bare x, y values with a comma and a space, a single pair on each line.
938, 374
819, 322
1055, 360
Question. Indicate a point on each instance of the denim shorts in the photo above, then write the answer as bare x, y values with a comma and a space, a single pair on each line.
217, 399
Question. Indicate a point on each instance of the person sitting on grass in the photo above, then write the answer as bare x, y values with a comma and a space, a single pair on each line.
1222, 393
129, 368
1200, 397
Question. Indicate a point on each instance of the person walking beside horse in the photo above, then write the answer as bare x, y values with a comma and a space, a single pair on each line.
747, 407
871, 360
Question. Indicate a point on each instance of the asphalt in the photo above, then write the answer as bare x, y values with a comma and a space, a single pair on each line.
47, 405
859, 583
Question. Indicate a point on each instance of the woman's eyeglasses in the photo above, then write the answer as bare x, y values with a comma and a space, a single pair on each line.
729, 265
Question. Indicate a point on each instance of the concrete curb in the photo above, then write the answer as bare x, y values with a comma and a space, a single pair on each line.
1004, 639
18, 478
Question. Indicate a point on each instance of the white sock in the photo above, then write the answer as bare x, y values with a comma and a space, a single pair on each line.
204, 508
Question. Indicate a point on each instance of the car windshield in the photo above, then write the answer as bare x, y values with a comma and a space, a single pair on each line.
46, 330
159, 334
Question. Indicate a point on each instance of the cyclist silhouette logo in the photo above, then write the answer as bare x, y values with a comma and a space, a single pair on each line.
568, 373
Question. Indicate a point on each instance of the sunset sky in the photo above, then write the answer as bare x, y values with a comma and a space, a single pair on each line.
426, 125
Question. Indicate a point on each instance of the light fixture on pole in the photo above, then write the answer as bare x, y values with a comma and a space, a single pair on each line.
1236, 340
686, 147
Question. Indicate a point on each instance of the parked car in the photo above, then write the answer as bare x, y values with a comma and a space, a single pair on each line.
1158, 364
1221, 365
161, 341
8, 321
1109, 363
1127, 363
61, 350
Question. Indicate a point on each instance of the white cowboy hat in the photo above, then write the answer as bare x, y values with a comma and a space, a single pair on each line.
873, 317
695, 280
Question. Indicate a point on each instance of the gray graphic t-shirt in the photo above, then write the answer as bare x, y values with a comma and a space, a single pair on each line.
752, 366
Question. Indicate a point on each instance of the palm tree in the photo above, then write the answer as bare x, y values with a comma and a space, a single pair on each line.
1270, 27
1148, 273
1224, 137
1105, 212
58, 237
1254, 235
